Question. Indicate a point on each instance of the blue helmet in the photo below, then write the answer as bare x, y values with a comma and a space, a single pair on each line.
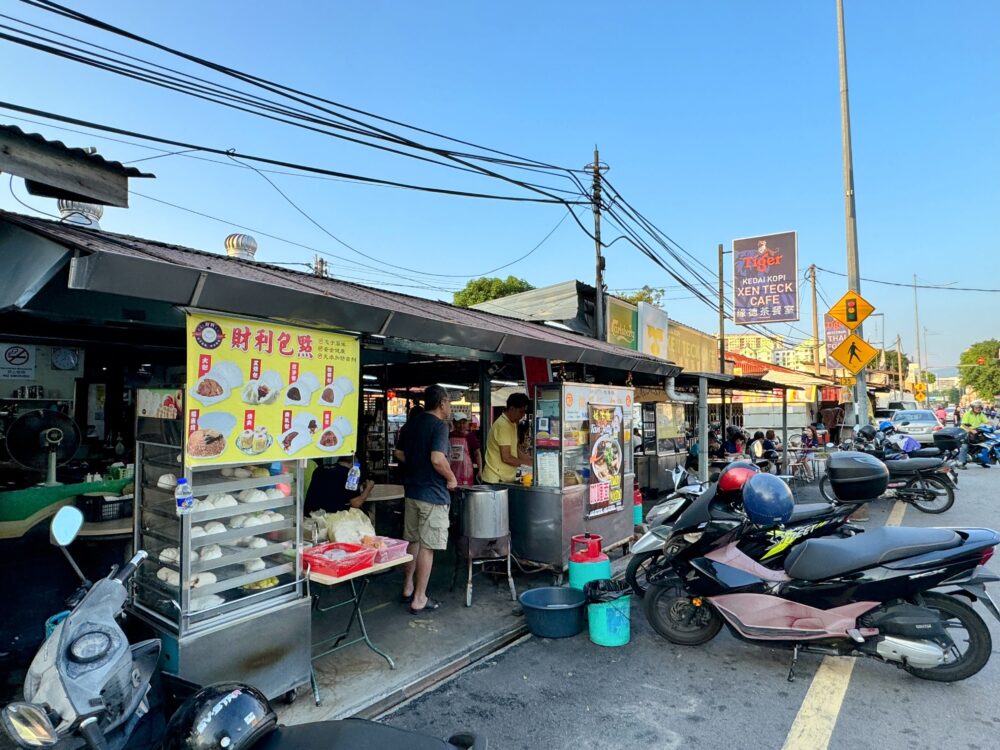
767, 500
885, 426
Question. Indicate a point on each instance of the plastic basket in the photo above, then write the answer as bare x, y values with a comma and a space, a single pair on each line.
394, 549
98, 508
358, 558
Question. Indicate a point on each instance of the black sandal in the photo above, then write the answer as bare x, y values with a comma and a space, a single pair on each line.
432, 604
404, 599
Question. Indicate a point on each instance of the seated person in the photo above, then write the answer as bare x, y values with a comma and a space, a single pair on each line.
328, 488
771, 442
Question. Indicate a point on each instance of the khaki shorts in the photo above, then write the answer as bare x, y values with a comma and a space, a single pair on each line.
426, 523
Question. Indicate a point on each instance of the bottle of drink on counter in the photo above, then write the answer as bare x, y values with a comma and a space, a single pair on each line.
184, 497
353, 477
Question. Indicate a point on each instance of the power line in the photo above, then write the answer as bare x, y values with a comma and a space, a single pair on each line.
918, 286
277, 162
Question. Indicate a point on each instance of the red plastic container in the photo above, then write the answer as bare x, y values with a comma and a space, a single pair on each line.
358, 558
394, 549
586, 548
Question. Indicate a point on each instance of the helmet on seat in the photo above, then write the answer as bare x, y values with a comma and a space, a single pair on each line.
767, 500
868, 432
734, 476
225, 715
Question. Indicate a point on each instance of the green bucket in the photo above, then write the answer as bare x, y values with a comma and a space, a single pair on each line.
609, 622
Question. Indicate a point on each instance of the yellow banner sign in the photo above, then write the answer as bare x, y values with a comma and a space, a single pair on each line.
260, 391
693, 350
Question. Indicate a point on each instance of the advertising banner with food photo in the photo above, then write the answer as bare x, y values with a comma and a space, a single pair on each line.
607, 460
765, 279
268, 391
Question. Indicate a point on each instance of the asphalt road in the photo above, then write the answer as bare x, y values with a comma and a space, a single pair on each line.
726, 694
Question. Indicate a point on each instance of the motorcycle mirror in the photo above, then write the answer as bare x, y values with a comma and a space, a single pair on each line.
27, 724
66, 525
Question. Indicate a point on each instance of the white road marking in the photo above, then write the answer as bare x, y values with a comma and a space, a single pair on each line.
817, 717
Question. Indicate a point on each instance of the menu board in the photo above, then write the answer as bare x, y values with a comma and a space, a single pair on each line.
267, 391
607, 460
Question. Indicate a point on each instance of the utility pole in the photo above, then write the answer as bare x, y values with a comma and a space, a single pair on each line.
319, 266
599, 323
916, 323
850, 216
812, 277
722, 312
899, 364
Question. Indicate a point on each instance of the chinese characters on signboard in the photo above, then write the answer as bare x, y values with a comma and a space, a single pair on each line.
765, 279
607, 460
258, 390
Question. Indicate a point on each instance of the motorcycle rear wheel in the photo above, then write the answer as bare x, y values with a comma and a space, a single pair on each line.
957, 615
637, 570
944, 495
669, 611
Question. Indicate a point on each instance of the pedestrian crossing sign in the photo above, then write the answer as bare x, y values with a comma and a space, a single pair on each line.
851, 310
854, 353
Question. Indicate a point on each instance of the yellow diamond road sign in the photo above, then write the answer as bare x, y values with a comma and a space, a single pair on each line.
920, 396
851, 310
854, 353
920, 387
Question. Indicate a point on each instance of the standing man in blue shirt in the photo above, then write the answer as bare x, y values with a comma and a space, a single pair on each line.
427, 482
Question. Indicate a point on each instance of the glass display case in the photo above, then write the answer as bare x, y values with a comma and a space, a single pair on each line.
234, 552
582, 477
223, 586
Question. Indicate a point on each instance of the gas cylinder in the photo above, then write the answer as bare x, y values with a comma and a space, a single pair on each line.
586, 561
637, 506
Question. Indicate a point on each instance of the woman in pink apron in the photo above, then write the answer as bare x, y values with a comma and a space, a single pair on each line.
465, 455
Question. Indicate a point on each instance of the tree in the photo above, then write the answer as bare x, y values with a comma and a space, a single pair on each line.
931, 378
890, 361
646, 294
984, 378
488, 288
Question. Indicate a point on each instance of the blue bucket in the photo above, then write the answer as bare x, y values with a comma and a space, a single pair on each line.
553, 612
610, 622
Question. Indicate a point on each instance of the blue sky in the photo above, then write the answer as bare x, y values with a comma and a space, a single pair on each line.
719, 120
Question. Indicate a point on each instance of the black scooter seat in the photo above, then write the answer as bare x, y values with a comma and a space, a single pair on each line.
819, 559
355, 734
804, 511
912, 465
926, 453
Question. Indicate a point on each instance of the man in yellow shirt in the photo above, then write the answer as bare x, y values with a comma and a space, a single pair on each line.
502, 453
970, 421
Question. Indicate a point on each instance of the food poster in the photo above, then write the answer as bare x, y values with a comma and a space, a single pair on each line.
607, 459
267, 391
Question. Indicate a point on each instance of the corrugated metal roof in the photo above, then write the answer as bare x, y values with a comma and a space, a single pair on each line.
356, 307
78, 153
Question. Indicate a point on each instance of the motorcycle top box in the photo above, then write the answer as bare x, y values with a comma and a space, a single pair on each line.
949, 438
856, 476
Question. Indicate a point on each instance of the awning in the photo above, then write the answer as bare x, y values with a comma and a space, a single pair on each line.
719, 381
124, 265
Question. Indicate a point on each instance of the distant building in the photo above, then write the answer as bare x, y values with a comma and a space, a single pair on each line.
754, 345
798, 358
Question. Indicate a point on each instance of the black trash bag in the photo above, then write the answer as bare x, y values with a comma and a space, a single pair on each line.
601, 592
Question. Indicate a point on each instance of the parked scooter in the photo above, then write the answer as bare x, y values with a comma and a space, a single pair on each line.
925, 483
892, 594
88, 683
769, 546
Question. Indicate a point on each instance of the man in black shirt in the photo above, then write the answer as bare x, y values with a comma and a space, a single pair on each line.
427, 481
328, 489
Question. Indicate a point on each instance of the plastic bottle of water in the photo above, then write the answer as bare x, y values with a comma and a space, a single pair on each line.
184, 497
353, 477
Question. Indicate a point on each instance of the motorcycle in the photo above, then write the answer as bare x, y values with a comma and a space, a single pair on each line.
88, 683
925, 483
769, 546
685, 488
892, 594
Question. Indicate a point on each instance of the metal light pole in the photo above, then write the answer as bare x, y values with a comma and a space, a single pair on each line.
850, 216
916, 326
